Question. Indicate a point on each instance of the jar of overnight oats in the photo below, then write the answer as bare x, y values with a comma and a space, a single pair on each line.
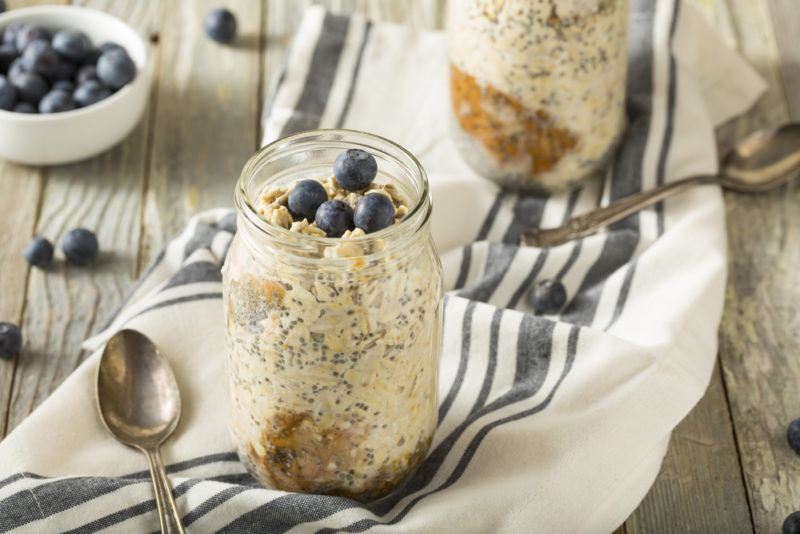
332, 342
537, 87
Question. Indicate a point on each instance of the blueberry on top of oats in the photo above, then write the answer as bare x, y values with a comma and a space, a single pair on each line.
355, 169
374, 212
305, 198
335, 217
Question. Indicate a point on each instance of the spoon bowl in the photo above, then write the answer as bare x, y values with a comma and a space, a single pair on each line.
763, 160
137, 393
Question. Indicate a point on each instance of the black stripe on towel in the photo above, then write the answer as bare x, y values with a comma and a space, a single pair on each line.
321, 73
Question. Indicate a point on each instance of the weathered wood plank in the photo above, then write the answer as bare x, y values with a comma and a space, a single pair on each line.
21, 188
206, 121
65, 303
785, 17
700, 487
759, 331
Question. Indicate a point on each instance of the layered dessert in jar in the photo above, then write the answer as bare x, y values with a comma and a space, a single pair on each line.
333, 292
537, 87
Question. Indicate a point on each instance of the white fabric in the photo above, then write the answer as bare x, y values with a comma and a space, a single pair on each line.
579, 408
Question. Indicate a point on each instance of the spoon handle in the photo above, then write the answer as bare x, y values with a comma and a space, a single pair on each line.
167, 513
589, 223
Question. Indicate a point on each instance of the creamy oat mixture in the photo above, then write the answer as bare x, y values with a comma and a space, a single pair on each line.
332, 367
537, 86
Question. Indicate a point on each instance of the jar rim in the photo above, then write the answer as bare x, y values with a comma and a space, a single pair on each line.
415, 218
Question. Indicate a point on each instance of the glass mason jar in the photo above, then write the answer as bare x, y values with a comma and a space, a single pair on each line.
332, 344
537, 88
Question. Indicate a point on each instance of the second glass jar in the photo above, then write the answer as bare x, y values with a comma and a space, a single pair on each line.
332, 344
537, 87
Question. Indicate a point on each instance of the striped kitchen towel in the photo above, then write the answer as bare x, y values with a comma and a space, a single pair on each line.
546, 424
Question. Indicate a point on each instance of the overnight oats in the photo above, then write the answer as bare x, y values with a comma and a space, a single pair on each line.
332, 290
537, 87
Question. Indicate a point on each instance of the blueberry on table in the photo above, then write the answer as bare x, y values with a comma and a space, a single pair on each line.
305, 198
355, 169
80, 246
86, 73
72, 45
374, 212
334, 217
10, 340
8, 95
64, 85
791, 525
8, 53
115, 68
548, 296
90, 93
39, 252
56, 102
793, 435
30, 87
24, 107
220, 25
29, 33
40, 58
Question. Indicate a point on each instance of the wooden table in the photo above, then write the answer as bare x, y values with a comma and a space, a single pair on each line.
728, 468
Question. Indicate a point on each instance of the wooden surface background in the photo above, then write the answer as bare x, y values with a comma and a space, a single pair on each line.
728, 468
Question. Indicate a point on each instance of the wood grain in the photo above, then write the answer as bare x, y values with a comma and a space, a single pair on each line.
65, 303
206, 121
700, 487
759, 334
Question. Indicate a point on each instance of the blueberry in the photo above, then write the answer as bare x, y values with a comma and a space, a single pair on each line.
105, 47
15, 68
64, 85
72, 45
7, 56
334, 217
793, 435
8, 95
115, 68
63, 71
92, 56
305, 198
80, 246
10, 340
791, 525
374, 212
90, 93
355, 169
220, 25
56, 102
24, 107
39, 252
30, 87
29, 33
86, 73
38, 57
548, 296
10, 34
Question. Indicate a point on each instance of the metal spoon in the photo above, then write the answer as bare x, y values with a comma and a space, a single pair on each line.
762, 161
140, 405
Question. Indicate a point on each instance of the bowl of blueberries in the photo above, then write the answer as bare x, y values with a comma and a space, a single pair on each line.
73, 83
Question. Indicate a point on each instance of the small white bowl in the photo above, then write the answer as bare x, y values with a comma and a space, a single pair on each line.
75, 135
